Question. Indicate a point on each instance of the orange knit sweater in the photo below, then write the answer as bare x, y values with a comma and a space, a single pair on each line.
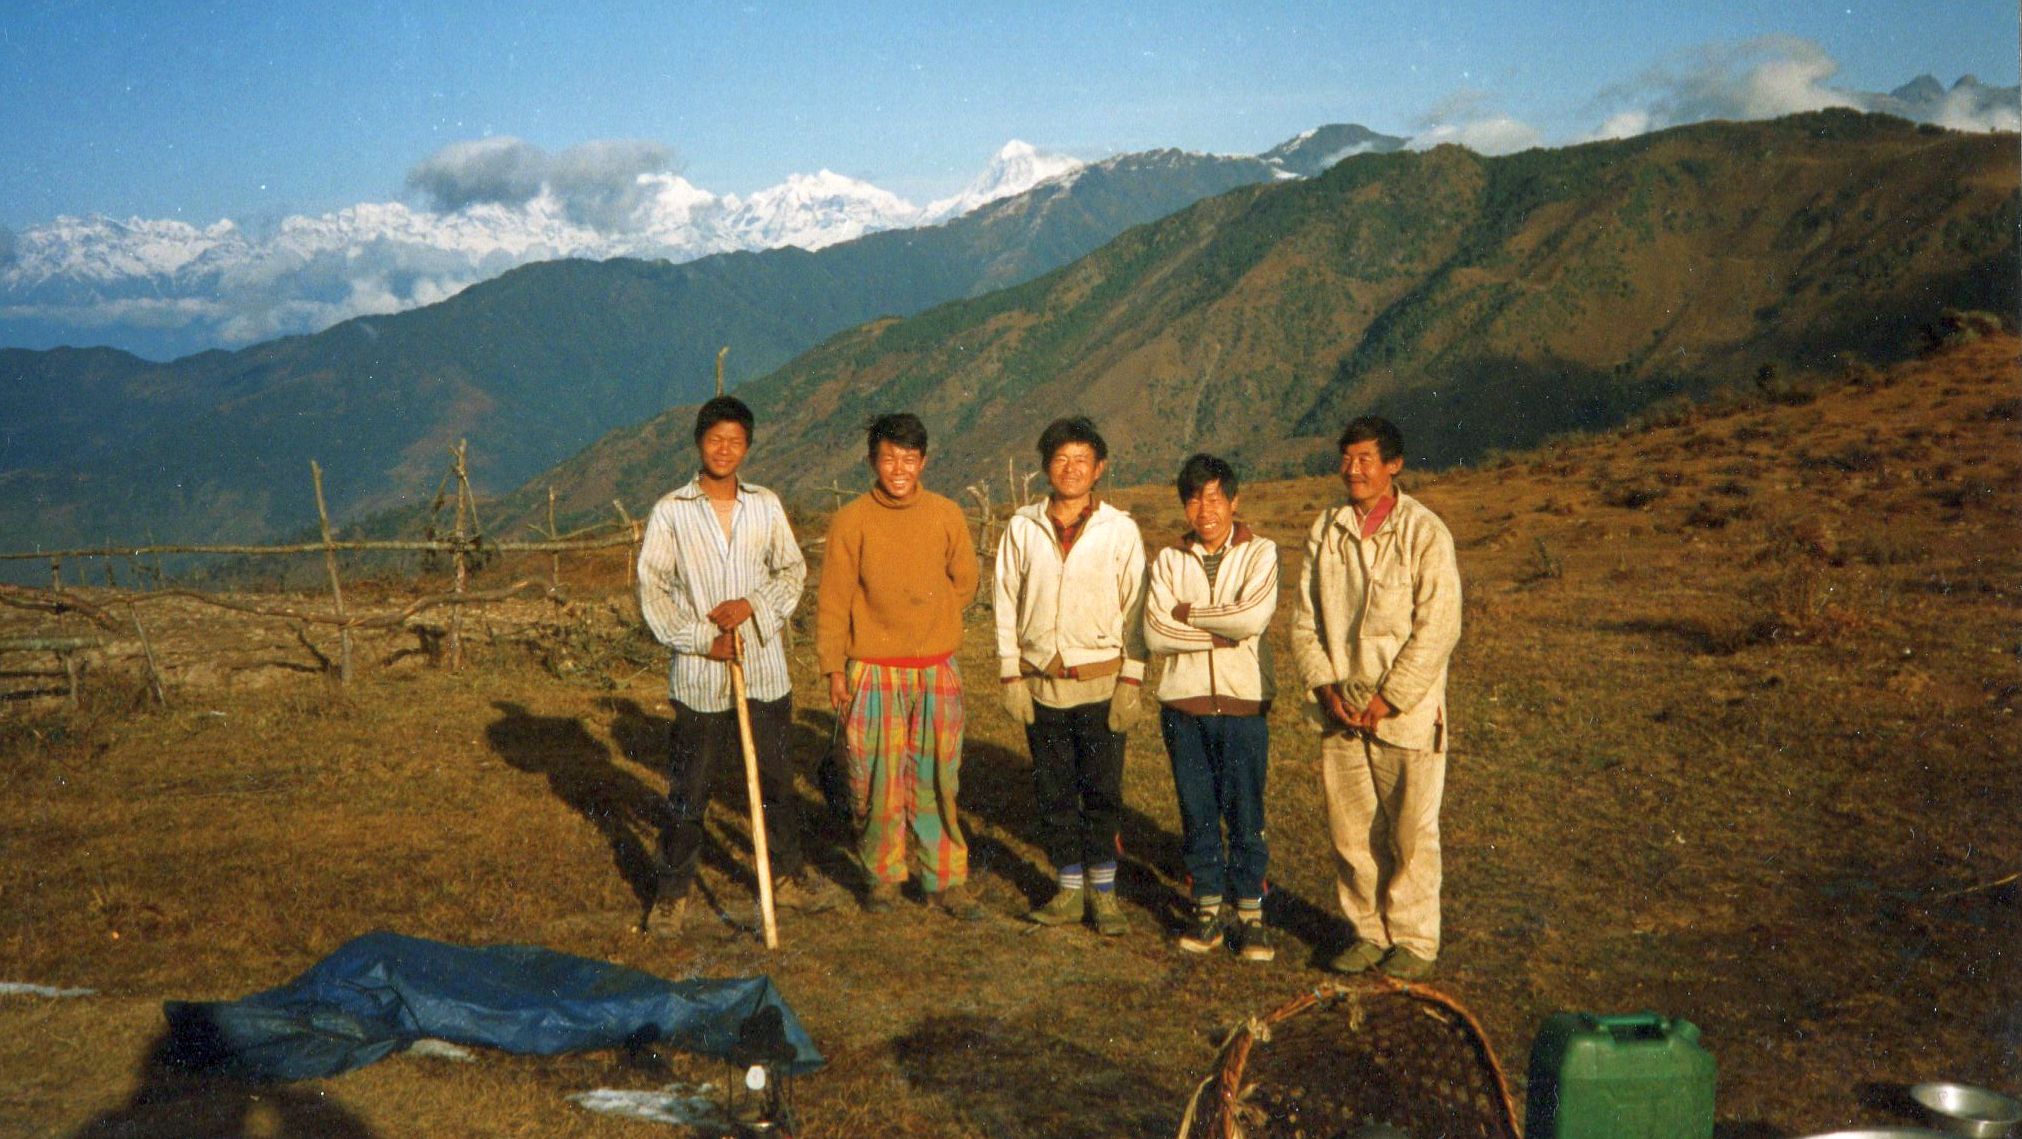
894, 580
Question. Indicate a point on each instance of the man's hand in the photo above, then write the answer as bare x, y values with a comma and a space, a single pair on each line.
1182, 611
1017, 701
1124, 710
730, 615
723, 647
838, 692
1222, 642
1333, 707
1378, 709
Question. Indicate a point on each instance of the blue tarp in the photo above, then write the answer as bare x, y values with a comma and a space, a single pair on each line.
382, 992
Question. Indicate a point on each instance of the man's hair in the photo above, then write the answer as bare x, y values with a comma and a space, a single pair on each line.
900, 429
724, 408
1201, 469
1061, 432
1389, 440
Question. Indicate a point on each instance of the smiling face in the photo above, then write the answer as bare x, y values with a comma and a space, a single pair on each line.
1073, 470
898, 469
723, 448
1211, 514
1367, 474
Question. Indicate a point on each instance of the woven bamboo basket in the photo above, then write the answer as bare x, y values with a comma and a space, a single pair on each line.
1350, 1059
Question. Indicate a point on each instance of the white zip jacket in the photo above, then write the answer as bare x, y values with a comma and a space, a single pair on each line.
1381, 614
1087, 610
1201, 679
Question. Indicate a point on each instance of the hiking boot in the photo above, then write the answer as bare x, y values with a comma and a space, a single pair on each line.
805, 892
1360, 957
882, 898
1256, 941
958, 902
1204, 931
1405, 965
668, 915
1108, 915
1067, 906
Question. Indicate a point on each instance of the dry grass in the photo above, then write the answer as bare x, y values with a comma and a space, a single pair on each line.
1735, 739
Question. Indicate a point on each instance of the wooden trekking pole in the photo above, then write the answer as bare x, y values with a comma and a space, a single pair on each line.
760, 854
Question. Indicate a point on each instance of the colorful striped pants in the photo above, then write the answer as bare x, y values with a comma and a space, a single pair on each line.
904, 736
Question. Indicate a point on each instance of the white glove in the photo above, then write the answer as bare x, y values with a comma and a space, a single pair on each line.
1124, 710
1017, 701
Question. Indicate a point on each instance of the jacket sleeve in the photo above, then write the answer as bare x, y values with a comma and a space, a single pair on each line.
1435, 622
785, 576
1309, 648
1007, 585
663, 591
1250, 613
1162, 634
1130, 589
838, 589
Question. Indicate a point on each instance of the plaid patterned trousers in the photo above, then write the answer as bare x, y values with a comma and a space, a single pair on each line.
904, 737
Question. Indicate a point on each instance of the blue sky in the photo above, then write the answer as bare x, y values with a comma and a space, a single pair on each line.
255, 111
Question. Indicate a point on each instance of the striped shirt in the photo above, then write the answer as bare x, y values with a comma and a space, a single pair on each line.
687, 567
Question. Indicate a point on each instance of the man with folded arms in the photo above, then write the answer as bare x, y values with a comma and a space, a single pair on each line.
1070, 658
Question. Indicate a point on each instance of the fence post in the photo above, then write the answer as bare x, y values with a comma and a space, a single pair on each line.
462, 566
336, 583
554, 535
631, 551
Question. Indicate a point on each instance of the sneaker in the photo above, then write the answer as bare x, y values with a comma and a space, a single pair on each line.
882, 898
1405, 965
668, 915
1256, 941
1360, 957
805, 892
958, 902
1066, 906
1204, 932
1108, 914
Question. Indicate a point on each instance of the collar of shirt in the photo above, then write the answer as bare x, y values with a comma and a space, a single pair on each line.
693, 489
1068, 534
1371, 522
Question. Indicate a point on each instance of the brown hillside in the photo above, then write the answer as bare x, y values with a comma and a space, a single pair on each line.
1734, 740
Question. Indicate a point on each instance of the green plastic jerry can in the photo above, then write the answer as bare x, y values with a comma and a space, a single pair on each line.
1640, 1076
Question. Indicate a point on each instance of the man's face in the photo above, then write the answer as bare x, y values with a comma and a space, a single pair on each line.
723, 448
1211, 514
898, 468
1074, 470
1366, 474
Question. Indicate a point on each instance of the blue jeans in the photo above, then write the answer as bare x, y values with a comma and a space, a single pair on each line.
1218, 765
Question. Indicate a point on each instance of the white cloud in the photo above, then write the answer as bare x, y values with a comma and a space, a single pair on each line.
1972, 108
1488, 134
1756, 79
502, 169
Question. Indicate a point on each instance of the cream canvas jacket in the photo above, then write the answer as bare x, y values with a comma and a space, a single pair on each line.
1381, 614
1087, 610
1200, 678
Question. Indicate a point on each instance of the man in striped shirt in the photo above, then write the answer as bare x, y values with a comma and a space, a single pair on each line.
719, 563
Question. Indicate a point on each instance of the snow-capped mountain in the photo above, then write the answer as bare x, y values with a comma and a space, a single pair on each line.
165, 287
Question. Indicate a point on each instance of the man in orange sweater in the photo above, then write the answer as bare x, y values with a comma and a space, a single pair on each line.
899, 569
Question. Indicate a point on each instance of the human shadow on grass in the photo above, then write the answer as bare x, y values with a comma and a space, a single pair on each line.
181, 1093
579, 771
1011, 1079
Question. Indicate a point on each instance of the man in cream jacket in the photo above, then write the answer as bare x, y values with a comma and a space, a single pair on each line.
1378, 616
1070, 656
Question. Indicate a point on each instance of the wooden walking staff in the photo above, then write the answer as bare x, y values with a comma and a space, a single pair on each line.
760, 854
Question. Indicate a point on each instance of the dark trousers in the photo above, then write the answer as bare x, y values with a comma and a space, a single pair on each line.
1077, 772
699, 744
1218, 765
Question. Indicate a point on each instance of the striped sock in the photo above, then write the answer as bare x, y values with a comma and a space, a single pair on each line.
1209, 904
1102, 876
1070, 877
1250, 909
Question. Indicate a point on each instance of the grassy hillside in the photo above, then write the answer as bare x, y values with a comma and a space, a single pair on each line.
1734, 721
1490, 302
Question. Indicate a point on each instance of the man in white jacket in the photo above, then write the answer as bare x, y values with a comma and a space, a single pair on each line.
1210, 599
1378, 617
1070, 653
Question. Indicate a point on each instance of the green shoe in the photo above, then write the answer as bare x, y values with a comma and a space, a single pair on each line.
882, 898
1067, 906
1108, 915
1357, 958
960, 903
1405, 965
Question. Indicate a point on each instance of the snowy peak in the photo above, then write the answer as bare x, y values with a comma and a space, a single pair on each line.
1016, 168
816, 210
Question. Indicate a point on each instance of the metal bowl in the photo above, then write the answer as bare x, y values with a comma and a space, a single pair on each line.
1963, 1109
